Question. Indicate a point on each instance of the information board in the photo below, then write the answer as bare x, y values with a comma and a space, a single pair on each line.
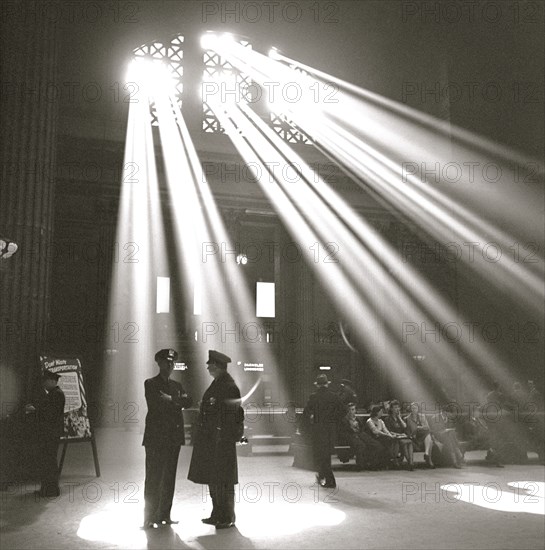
76, 419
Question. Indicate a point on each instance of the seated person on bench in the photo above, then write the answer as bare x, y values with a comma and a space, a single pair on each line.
370, 454
398, 427
419, 431
477, 435
445, 436
381, 434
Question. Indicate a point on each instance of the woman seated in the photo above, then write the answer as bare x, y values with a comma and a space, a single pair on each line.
419, 431
381, 433
398, 427
370, 454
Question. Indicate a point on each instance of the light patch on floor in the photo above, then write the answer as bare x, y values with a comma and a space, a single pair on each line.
519, 496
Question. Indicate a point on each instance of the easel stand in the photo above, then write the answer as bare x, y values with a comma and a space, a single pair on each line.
81, 440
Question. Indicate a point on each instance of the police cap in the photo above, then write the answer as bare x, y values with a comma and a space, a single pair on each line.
168, 354
217, 357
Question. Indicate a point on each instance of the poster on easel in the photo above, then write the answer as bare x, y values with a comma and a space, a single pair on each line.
76, 419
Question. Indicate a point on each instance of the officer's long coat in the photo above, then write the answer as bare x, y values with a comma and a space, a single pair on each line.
214, 459
165, 420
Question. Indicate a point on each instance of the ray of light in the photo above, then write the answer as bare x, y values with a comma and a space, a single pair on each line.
341, 138
200, 238
383, 150
255, 149
139, 258
372, 258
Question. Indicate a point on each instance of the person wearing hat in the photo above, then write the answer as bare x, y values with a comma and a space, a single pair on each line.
163, 436
324, 411
346, 392
214, 459
49, 415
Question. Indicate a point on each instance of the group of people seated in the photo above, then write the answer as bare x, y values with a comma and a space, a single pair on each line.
386, 440
508, 425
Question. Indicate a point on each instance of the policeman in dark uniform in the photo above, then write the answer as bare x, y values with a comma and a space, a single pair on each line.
325, 411
214, 459
162, 439
49, 410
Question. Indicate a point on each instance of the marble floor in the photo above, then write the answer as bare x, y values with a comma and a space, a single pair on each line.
279, 506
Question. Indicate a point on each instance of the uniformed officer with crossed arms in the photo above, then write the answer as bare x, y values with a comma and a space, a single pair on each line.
163, 436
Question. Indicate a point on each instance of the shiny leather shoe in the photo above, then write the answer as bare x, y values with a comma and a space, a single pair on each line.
209, 521
225, 525
169, 521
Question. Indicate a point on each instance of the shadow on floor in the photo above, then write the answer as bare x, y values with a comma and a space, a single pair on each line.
225, 539
164, 537
20, 497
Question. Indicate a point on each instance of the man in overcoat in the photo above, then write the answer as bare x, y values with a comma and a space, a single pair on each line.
214, 459
49, 409
324, 410
163, 436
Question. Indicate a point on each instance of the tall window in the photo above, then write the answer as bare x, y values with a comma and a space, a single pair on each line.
172, 54
220, 71
284, 126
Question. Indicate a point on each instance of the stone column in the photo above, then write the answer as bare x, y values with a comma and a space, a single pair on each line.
303, 352
29, 104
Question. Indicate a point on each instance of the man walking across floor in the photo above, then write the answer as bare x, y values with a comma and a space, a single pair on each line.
163, 436
324, 410
214, 459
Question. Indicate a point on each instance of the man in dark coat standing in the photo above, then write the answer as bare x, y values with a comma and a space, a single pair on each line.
49, 410
163, 437
324, 411
214, 459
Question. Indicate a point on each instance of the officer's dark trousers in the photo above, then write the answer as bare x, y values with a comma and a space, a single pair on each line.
223, 503
161, 464
49, 469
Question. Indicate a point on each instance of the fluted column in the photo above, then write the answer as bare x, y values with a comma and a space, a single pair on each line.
28, 143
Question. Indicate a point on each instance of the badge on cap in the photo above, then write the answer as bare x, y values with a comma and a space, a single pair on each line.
168, 354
